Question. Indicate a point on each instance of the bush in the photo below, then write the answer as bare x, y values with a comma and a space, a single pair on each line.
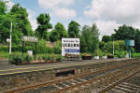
120, 49
120, 54
28, 59
57, 48
4, 48
16, 60
59, 58
136, 55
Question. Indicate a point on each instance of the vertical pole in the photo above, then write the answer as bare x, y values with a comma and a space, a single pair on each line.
22, 47
10, 46
129, 52
113, 47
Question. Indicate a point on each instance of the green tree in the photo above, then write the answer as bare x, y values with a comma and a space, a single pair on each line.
58, 32
73, 29
4, 28
21, 25
59, 27
21, 19
119, 48
137, 40
54, 36
44, 24
124, 32
127, 33
106, 38
57, 48
89, 39
3, 7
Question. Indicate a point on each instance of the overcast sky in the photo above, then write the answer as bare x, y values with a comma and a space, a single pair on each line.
107, 14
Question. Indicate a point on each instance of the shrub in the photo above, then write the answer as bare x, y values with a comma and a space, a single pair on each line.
57, 48
28, 59
16, 60
120, 54
136, 55
4, 48
59, 58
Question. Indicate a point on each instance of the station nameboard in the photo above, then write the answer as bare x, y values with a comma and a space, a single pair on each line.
70, 46
29, 39
129, 43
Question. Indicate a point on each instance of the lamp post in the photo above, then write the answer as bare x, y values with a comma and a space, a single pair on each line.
10, 46
113, 48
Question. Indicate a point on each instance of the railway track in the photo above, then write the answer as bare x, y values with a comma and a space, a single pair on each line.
100, 77
98, 81
125, 87
120, 86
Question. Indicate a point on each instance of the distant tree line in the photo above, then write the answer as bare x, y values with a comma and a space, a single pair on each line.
125, 32
21, 26
89, 35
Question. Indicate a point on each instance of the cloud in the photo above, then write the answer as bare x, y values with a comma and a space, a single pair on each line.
9, 4
122, 11
55, 3
65, 13
109, 14
106, 27
59, 7
32, 19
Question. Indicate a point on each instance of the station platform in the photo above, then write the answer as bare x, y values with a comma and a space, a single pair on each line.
8, 69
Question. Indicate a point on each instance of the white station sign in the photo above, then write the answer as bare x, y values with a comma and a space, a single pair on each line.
29, 39
70, 46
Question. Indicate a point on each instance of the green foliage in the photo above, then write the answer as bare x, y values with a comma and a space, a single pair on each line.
124, 32
127, 33
59, 58
4, 28
4, 54
17, 60
89, 39
120, 54
3, 7
20, 24
137, 40
41, 46
28, 59
73, 29
4, 48
120, 50
136, 55
99, 52
52, 57
44, 24
106, 38
21, 19
57, 48
54, 36
58, 33
61, 30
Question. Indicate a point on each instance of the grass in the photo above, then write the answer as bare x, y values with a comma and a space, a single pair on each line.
5, 55
136, 55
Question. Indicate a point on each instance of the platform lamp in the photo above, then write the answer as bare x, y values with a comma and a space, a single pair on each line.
9, 40
129, 44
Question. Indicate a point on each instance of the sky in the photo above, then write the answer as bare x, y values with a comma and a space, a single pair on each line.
106, 14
